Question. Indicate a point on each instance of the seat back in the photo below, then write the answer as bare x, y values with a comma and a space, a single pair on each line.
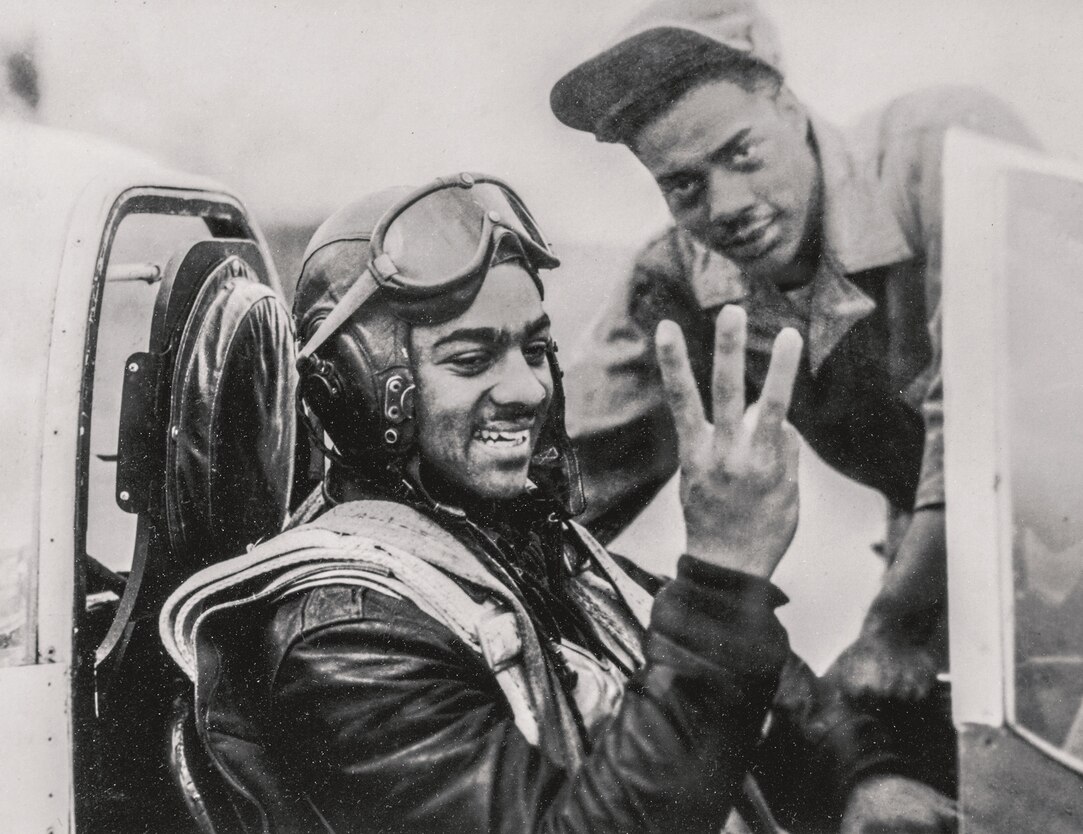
229, 459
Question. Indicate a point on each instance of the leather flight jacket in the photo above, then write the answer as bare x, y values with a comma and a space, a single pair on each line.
336, 691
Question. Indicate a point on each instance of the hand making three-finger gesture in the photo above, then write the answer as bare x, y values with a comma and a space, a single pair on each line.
738, 480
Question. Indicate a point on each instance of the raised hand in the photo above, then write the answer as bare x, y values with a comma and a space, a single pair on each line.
738, 480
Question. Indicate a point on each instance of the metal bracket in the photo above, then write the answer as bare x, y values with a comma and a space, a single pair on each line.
135, 443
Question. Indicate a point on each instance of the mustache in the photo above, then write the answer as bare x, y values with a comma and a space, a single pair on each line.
516, 411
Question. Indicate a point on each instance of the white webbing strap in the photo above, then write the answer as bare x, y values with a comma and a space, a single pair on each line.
311, 555
502, 649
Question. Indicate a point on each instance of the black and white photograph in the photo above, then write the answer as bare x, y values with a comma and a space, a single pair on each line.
502, 417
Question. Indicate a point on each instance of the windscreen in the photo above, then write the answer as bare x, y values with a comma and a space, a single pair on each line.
1044, 390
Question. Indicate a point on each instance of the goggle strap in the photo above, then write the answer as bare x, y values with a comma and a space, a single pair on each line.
358, 293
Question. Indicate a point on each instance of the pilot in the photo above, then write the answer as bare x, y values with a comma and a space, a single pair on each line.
836, 236
444, 648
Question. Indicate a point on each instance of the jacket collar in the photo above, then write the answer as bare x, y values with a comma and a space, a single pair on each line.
860, 233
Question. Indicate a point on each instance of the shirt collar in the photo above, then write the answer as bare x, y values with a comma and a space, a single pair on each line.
860, 233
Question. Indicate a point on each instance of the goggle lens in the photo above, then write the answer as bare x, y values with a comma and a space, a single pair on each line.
446, 232
439, 235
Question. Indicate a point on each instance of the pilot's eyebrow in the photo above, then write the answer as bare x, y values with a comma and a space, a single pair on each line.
492, 335
469, 334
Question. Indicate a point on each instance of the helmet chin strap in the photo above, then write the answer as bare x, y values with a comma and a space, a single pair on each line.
358, 293
414, 482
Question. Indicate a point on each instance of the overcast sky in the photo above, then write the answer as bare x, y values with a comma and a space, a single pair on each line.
304, 105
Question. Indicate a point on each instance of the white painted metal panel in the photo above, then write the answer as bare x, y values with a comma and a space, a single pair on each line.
972, 479
34, 758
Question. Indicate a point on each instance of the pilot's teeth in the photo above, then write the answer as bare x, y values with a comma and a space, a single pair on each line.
489, 436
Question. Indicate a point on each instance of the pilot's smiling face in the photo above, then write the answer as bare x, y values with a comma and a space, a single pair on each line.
484, 387
737, 171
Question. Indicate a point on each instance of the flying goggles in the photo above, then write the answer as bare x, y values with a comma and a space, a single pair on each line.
436, 241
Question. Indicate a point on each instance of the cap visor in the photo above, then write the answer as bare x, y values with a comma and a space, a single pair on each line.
592, 94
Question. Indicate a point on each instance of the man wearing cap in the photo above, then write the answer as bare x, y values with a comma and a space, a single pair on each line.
838, 237
442, 649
